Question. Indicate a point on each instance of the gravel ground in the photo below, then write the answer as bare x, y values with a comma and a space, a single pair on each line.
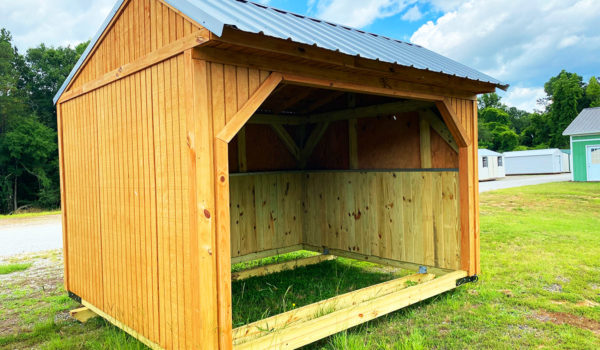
30, 234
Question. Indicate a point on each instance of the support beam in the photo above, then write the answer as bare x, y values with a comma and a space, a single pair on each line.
292, 101
122, 326
244, 113
190, 41
302, 333
305, 313
376, 259
425, 138
333, 94
241, 148
279, 267
453, 123
82, 314
313, 140
287, 140
438, 125
343, 114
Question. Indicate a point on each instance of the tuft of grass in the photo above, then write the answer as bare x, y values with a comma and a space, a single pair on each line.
5, 269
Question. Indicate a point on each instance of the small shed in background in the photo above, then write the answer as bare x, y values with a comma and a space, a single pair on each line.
584, 132
566, 160
491, 165
538, 161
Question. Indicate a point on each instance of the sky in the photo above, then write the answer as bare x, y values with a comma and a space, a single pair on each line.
521, 43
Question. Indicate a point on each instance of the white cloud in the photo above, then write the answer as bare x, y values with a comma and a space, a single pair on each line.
444, 5
357, 14
57, 22
413, 14
524, 98
518, 40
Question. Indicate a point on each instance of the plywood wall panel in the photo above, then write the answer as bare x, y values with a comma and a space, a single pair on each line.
395, 215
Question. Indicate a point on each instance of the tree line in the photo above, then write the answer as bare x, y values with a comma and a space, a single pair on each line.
502, 128
29, 172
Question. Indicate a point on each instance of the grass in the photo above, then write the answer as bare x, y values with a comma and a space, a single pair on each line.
31, 213
540, 287
5, 269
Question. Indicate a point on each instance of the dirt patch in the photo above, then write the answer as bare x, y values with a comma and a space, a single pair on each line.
570, 319
588, 303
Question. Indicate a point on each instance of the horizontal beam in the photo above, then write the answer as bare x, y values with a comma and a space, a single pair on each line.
302, 333
265, 253
368, 66
365, 83
152, 345
190, 41
279, 267
342, 114
377, 260
305, 313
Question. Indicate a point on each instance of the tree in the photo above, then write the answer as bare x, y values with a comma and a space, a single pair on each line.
42, 71
491, 100
592, 92
566, 92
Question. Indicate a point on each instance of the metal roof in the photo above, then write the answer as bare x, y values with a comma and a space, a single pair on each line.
586, 123
251, 17
533, 152
483, 152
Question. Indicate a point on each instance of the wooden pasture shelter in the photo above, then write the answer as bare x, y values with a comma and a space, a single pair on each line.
195, 134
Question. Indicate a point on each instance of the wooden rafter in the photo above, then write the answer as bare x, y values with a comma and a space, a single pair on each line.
323, 101
292, 101
244, 113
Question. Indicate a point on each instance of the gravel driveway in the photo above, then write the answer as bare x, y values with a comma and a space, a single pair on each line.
522, 180
28, 235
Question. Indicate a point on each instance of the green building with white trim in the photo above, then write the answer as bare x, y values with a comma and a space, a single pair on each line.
584, 132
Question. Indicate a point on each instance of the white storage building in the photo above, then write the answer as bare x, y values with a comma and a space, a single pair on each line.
539, 161
491, 165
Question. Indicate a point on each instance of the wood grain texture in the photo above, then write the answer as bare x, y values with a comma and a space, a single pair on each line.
140, 27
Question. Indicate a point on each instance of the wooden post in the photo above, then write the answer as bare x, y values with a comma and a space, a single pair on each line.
241, 148
425, 138
352, 143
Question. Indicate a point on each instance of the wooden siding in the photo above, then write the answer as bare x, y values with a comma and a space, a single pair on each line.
129, 213
407, 216
266, 212
141, 27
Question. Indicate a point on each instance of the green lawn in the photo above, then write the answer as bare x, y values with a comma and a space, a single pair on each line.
540, 287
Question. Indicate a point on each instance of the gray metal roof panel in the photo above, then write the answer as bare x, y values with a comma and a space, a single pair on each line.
532, 152
586, 123
483, 152
251, 17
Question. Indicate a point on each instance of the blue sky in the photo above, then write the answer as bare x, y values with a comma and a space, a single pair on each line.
522, 43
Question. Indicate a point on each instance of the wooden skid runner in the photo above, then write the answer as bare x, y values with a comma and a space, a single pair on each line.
278, 267
303, 326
